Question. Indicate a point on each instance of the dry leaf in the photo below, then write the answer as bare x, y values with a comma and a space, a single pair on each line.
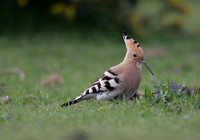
52, 80
14, 71
141, 92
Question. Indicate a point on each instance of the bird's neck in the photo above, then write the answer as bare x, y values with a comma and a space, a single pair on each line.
128, 56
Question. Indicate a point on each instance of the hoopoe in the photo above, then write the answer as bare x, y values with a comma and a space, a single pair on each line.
118, 81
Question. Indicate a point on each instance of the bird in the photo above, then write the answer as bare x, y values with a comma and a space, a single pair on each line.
119, 81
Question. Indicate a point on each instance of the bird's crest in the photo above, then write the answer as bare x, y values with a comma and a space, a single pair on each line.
133, 46
129, 41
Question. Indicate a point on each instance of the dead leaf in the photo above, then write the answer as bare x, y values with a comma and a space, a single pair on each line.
14, 71
141, 92
52, 80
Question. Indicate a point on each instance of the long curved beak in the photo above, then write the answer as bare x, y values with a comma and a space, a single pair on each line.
143, 62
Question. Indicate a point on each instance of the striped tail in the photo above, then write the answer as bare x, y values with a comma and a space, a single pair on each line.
69, 103
74, 101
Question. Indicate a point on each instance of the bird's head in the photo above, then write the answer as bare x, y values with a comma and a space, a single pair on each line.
135, 52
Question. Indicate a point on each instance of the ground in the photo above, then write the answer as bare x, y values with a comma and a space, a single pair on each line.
34, 111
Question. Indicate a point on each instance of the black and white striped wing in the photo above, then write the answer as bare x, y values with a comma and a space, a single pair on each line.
108, 82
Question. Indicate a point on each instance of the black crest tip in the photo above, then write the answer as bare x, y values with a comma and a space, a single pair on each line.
124, 33
128, 37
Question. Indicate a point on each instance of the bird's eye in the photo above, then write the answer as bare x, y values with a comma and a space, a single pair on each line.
134, 55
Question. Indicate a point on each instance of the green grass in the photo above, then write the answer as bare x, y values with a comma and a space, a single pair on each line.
80, 59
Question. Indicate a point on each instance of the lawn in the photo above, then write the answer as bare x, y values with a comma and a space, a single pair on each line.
34, 111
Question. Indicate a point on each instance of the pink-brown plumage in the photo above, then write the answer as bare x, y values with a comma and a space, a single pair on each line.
121, 80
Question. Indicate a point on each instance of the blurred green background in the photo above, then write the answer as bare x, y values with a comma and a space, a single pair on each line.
62, 46
137, 16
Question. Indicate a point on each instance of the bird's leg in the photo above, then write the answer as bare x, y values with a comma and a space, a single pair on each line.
135, 96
